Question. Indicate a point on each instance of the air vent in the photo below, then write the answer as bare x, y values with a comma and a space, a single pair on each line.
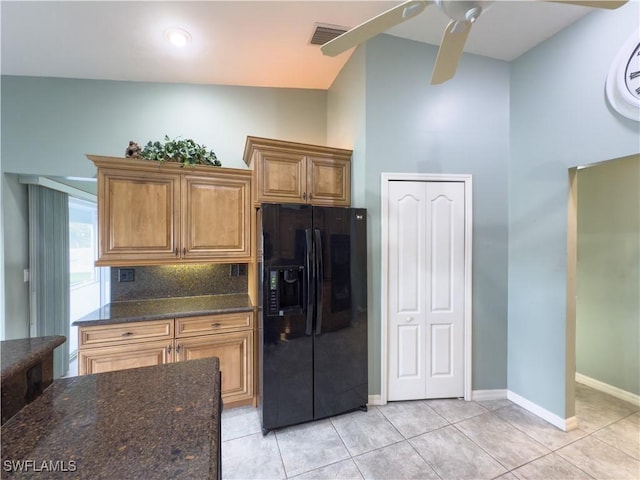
323, 33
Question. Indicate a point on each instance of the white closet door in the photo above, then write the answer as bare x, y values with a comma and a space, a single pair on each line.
426, 290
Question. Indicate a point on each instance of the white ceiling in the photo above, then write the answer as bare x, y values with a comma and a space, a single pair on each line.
255, 43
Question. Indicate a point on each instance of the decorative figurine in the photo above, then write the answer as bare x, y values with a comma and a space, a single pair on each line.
133, 150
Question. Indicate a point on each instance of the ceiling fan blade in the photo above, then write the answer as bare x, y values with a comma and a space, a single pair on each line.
611, 4
373, 27
453, 40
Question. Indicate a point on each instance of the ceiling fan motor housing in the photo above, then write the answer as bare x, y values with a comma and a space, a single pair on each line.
461, 10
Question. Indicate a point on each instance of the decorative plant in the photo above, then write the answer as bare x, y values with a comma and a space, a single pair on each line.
186, 152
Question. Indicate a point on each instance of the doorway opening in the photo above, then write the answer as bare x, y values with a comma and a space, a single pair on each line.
603, 280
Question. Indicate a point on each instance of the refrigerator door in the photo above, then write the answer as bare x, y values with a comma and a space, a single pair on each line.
340, 341
287, 341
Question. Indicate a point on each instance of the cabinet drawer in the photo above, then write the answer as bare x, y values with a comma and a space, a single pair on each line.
230, 322
123, 333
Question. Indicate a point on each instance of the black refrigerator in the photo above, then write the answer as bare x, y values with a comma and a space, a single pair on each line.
313, 321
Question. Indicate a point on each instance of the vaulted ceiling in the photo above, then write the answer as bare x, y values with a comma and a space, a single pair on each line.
254, 43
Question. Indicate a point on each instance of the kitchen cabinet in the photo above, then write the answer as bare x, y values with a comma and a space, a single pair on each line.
104, 348
121, 357
288, 172
156, 213
228, 336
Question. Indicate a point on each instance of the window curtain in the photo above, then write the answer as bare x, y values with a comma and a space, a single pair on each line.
49, 269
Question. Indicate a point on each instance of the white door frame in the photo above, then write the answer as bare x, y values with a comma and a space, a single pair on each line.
384, 269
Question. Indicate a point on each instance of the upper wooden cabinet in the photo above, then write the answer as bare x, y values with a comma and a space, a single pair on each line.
287, 172
152, 213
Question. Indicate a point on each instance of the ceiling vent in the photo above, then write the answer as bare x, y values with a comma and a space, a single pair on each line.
323, 33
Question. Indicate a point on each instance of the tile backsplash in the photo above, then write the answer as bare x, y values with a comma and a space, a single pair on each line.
164, 281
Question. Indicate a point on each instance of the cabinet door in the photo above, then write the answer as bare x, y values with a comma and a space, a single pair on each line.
235, 351
329, 181
280, 177
120, 357
216, 218
138, 215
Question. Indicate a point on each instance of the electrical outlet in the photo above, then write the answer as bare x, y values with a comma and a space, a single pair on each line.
126, 274
233, 270
242, 269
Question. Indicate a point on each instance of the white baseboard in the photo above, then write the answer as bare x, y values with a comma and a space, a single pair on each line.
375, 400
562, 423
482, 395
609, 389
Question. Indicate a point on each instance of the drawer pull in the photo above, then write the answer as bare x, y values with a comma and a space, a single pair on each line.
216, 325
168, 349
127, 334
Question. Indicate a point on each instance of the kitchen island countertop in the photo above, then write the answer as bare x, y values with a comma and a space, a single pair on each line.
161, 308
152, 422
22, 354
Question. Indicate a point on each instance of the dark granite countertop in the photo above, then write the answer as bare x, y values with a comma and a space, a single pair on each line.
22, 354
159, 308
152, 422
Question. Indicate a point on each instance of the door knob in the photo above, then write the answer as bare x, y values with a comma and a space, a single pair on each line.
409, 319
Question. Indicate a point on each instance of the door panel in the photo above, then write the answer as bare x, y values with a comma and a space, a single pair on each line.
286, 346
215, 217
329, 181
426, 290
445, 282
281, 177
340, 343
151, 229
409, 365
407, 302
235, 352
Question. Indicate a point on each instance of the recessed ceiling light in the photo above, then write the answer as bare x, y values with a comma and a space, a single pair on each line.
177, 36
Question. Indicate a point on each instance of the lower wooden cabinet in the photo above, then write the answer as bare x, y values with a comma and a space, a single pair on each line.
235, 351
108, 359
230, 337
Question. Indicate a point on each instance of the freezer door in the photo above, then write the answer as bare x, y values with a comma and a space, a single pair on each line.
286, 358
340, 340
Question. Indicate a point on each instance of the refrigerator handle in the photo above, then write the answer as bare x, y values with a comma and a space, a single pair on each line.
319, 279
309, 267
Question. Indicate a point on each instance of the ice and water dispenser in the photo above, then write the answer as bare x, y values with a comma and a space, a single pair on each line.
286, 290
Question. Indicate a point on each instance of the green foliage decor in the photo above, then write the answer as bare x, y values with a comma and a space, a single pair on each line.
186, 152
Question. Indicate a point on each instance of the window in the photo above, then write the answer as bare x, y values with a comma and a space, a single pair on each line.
89, 285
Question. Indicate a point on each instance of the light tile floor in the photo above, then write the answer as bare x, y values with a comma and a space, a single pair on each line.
440, 439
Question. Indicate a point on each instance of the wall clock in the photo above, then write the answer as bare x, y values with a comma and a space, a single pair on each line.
623, 80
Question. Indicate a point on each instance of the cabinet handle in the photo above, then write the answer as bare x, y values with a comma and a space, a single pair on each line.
178, 349
184, 251
176, 252
310, 196
304, 196
127, 334
169, 349
216, 325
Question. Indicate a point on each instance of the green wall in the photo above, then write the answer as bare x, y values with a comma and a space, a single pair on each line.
411, 126
49, 124
608, 300
559, 119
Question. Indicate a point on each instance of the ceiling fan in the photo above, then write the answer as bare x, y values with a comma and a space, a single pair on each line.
462, 13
